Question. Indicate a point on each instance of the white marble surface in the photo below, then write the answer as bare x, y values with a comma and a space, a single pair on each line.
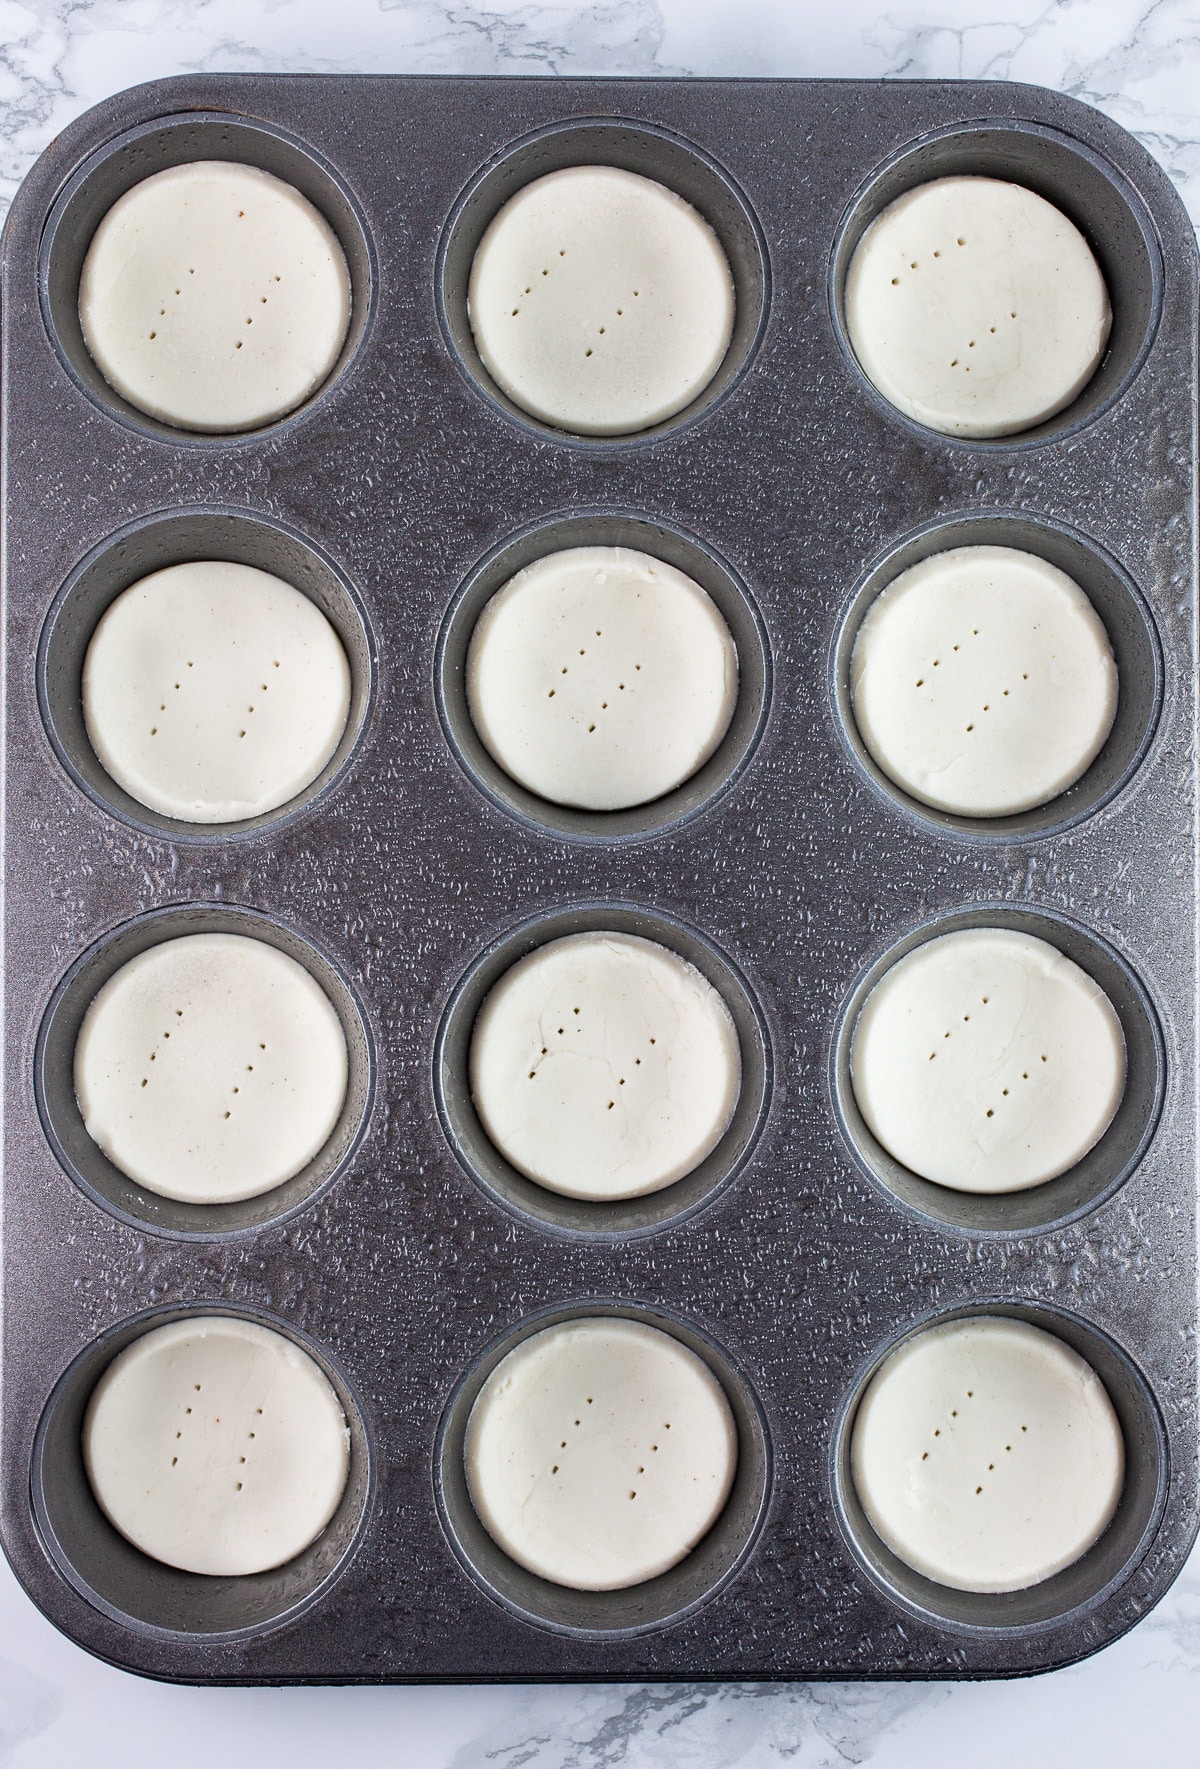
1139, 1701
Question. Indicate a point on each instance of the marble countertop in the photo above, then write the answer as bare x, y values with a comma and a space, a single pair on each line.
1137, 60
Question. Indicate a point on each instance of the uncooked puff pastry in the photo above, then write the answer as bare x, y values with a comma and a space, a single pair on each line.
600, 301
975, 306
214, 692
604, 1066
217, 1446
600, 1452
986, 1061
211, 1068
214, 297
983, 682
602, 678
987, 1455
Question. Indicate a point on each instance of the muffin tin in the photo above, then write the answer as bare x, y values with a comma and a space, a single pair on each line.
408, 1259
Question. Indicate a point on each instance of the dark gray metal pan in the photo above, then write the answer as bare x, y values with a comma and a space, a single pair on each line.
408, 1258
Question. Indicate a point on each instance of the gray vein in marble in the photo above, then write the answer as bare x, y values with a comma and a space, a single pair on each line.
619, 38
1141, 73
29, 1705
698, 1726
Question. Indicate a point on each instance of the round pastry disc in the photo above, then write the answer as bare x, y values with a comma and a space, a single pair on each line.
214, 692
602, 678
987, 1455
214, 297
604, 1066
983, 682
599, 1452
976, 307
600, 301
217, 1446
211, 1068
986, 1061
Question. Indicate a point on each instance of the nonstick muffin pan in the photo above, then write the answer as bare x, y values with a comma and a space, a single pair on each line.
408, 1258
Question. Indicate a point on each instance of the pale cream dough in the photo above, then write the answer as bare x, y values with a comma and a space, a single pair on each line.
983, 682
604, 1066
976, 307
211, 1068
987, 1455
600, 1452
601, 302
602, 678
214, 297
217, 1446
986, 1061
214, 692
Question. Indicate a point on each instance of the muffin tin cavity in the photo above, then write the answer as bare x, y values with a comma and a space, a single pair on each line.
659, 540
59, 1107
628, 146
617, 1218
659, 1601
1087, 189
1106, 1164
158, 146
145, 1594
1131, 634
148, 546
1077, 1588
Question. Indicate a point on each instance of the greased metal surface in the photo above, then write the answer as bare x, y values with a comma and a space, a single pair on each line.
408, 1261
